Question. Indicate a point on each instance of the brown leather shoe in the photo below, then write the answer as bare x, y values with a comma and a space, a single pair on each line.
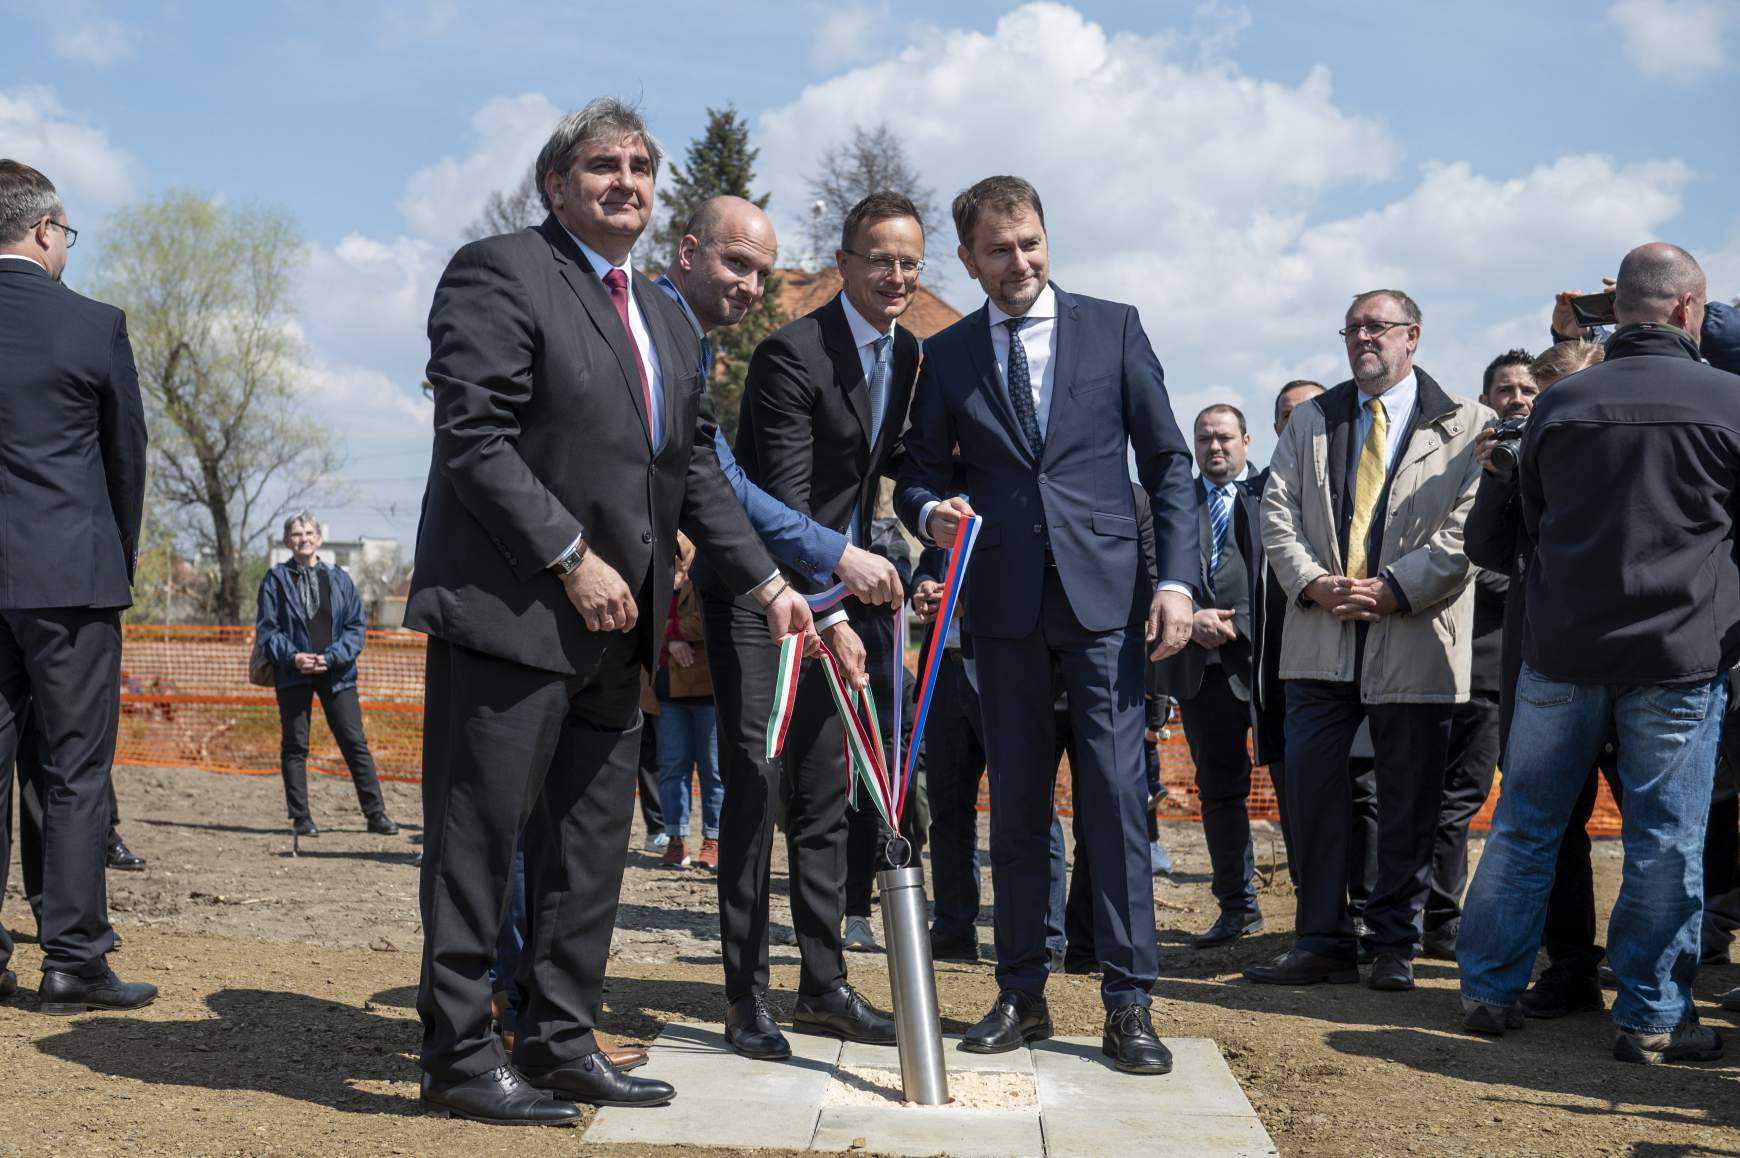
623, 1057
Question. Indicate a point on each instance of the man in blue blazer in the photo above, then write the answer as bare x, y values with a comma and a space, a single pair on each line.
1045, 393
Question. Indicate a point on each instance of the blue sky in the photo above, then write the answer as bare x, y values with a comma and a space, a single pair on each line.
1235, 171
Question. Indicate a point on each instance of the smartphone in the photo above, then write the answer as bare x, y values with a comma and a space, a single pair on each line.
1593, 309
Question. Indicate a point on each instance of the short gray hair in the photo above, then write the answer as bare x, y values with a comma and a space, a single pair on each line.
301, 517
1653, 278
601, 118
1410, 310
26, 197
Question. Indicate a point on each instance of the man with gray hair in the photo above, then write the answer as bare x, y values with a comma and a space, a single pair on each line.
1628, 485
72, 487
573, 439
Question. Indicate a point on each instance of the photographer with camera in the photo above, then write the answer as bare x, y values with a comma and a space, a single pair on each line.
1628, 490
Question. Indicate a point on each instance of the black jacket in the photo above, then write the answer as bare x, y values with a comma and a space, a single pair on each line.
1629, 481
1494, 541
540, 431
72, 447
1180, 676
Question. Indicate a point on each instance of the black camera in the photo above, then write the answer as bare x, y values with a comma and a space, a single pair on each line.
1507, 446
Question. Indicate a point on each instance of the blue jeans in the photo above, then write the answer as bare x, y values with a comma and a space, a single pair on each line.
689, 739
1667, 761
510, 943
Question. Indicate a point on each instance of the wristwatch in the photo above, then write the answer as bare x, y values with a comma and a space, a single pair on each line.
568, 560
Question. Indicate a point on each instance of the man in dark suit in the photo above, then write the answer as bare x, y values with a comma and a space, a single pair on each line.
1212, 678
573, 437
1046, 393
824, 404
72, 473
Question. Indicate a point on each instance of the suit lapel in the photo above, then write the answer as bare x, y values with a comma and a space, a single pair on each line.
1064, 363
595, 300
848, 366
1205, 536
668, 343
985, 362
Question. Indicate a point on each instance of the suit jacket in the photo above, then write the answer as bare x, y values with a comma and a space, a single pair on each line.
540, 433
1180, 676
72, 446
803, 432
1108, 395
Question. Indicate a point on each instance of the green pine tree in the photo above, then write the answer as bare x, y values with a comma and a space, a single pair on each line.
719, 162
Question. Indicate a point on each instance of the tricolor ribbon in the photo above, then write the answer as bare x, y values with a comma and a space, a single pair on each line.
965, 537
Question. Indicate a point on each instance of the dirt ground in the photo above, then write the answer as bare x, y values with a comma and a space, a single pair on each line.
285, 1024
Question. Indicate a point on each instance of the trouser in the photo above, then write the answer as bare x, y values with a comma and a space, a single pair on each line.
64, 665
1217, 725
1667, 761
344, 717
510, 942
1409, 742
1468, 772
647, 789
1568, 932
1102, 676
32, 784
689, 744
809, 776
518, 757
954, 765
1362, 834
1721, 875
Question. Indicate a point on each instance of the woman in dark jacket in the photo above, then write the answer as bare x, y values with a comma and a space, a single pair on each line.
310, 622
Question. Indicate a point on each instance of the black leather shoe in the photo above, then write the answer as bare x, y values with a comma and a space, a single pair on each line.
1302, 967
1392, 973
8, 984
842, 1013
1561, 992
954, 948
1361, 955
751, 1031
1132, 1044
593, 1080
68, 993
1440, 943
305, 827
1230, 927
382, 825
500, 1097
1015, 1019
119, 856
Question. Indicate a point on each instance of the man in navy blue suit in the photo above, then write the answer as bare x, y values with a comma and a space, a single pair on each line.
1045, 393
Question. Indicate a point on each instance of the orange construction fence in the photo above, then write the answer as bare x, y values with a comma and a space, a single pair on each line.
186, 703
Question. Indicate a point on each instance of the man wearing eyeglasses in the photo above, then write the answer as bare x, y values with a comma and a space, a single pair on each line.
824, 405
72, 486
1362, 523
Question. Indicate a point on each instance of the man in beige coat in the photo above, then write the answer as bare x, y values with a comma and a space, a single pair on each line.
1362, 522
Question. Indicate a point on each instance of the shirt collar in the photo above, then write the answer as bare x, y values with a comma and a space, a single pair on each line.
23, 257
670, 287
1044, 306
601, 265
1398, 397
863, 333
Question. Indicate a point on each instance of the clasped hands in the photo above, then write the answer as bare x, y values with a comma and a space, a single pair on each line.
1353, 600
310, 663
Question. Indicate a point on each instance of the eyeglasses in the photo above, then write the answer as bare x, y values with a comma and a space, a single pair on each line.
72, 235
885, 265
1371, 329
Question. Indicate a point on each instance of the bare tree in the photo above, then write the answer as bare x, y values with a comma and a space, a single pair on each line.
207, 292
872, 161
509, 210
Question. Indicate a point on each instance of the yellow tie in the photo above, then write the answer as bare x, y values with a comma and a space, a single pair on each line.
1368, 484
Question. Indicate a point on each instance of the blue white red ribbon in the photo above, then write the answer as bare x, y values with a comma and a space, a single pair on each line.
965, 537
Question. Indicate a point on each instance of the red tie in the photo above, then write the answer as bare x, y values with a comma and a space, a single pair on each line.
618, 283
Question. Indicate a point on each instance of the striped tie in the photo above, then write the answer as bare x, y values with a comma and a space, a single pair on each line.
1368, 484
1219, 519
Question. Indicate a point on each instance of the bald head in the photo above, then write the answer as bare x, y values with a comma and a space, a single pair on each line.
722, 262
1660, 283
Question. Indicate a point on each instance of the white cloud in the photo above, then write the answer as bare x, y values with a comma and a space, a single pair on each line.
1236, 212
851, 33
441, 200
99, 42
90, 172
1676, 39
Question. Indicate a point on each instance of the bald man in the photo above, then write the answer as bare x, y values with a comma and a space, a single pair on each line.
1628, 485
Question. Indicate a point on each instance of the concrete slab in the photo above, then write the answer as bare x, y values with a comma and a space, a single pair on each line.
1075, 1075
1085, 1134
958, 1060
928, 1130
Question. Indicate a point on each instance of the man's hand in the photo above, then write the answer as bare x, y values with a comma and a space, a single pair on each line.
869, 576
945, 520
926, 600
1483, 448
787, 613
600, 596
1352, 600
1169, 623
1381, 594
308, 663
1213, 626
681, 653
849, 650
1565, 323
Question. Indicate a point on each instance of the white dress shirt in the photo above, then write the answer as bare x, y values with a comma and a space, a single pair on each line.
649, 355
1038, 340
1398, 403
865, 336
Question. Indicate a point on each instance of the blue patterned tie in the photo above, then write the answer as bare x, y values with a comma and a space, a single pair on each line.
879, 385
1219, 519
1021, 389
